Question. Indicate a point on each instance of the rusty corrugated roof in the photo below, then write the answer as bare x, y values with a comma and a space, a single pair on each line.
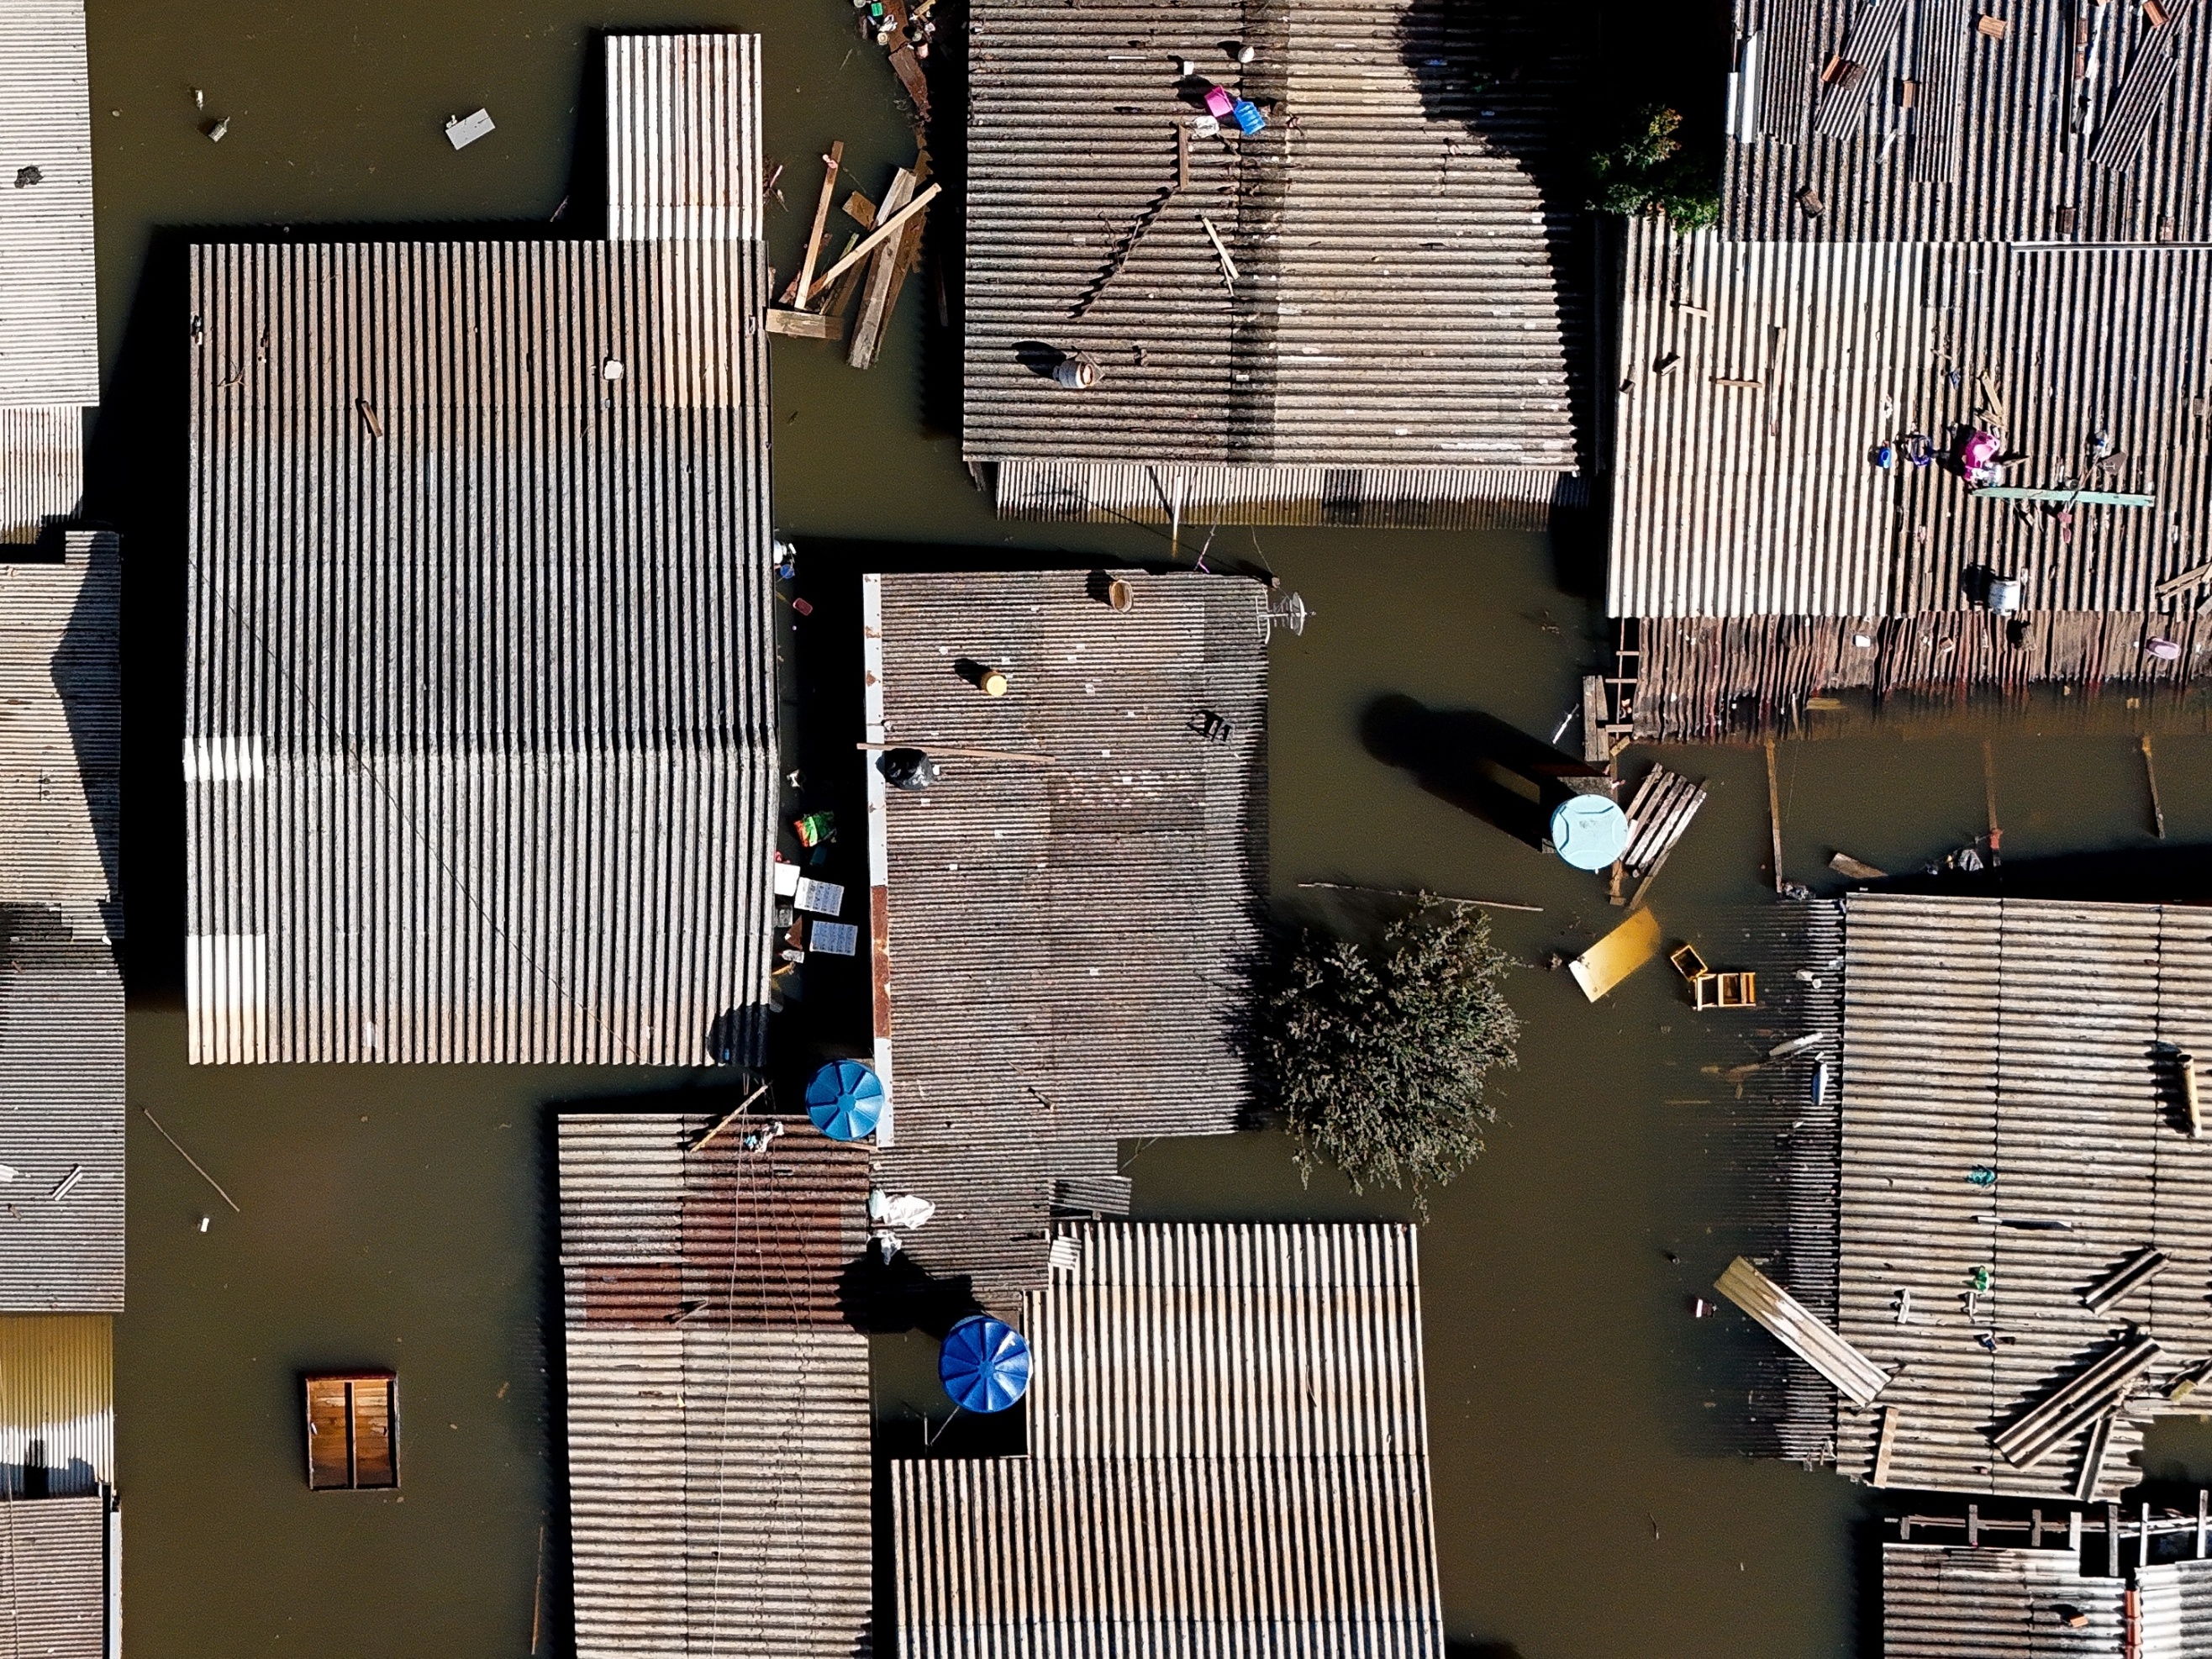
481, 729
1400, 341
717, 1404
1061, 949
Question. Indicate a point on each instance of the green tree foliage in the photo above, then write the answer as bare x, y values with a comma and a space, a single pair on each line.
1647, 170
1378, 1058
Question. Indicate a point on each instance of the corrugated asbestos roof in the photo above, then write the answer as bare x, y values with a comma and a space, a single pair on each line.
57, 1408
1942, 1601
1060, 950
61, 993
49, 321
1228, 1454
480, 728
2024, 137
2176, 1601
718, 1415
61, 722
1759, 380
1408, 292
2021, 1038
61, 1112
54, 1577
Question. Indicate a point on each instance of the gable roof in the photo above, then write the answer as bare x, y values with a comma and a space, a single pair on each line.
1228, 1452
1399, 342
480, 728
1061, 949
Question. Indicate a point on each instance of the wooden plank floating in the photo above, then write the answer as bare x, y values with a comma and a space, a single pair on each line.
2139, 1269
1659, 816
873, 240
1802, 1331
353, 1432
1857, 869
2066, 1408
876, 291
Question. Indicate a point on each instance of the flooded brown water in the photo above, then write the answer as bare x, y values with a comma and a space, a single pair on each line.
401, 1218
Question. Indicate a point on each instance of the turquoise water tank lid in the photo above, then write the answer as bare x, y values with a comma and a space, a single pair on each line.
1588, 831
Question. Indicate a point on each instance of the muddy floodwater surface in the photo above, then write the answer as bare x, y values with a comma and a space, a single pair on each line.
1587, 1503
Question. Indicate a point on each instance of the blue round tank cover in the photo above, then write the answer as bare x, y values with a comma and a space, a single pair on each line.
1588, 831
845, 1099
984, 1364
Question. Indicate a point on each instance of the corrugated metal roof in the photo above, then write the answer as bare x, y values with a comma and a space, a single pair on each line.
2176, 1610
61, 723
54, 1576
1228, 1453
1702, 678
49, 329
2003, 139
684, 137
41, 469
1942, 1601
481, 722
1404, 497
57, 1403
718, 1472
2020, 1038
1408, 293
1759, 380
1060, 948
61, 1113
728, 1234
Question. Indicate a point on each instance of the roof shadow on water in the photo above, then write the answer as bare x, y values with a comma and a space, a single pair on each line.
2167, 875
1473, 760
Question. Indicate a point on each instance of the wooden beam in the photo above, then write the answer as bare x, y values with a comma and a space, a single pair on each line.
1228, 264
860, 210
875, 293
1774, 812
804, 325
2066, 497
876, 238
1885, 1446
2183, 582
2150, 776
830, 164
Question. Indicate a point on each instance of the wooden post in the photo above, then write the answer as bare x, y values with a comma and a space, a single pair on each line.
2202, 1517
2074, 1532
2111, 1540
1973, 1525
1990, 792
2150, 776
821, 215
2143, 1539
1774, 812
2035, 1530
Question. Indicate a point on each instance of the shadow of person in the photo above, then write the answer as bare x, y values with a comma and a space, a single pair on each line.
1474, 761
886, 1297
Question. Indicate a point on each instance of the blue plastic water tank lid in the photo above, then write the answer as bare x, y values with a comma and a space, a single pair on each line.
1589, 831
